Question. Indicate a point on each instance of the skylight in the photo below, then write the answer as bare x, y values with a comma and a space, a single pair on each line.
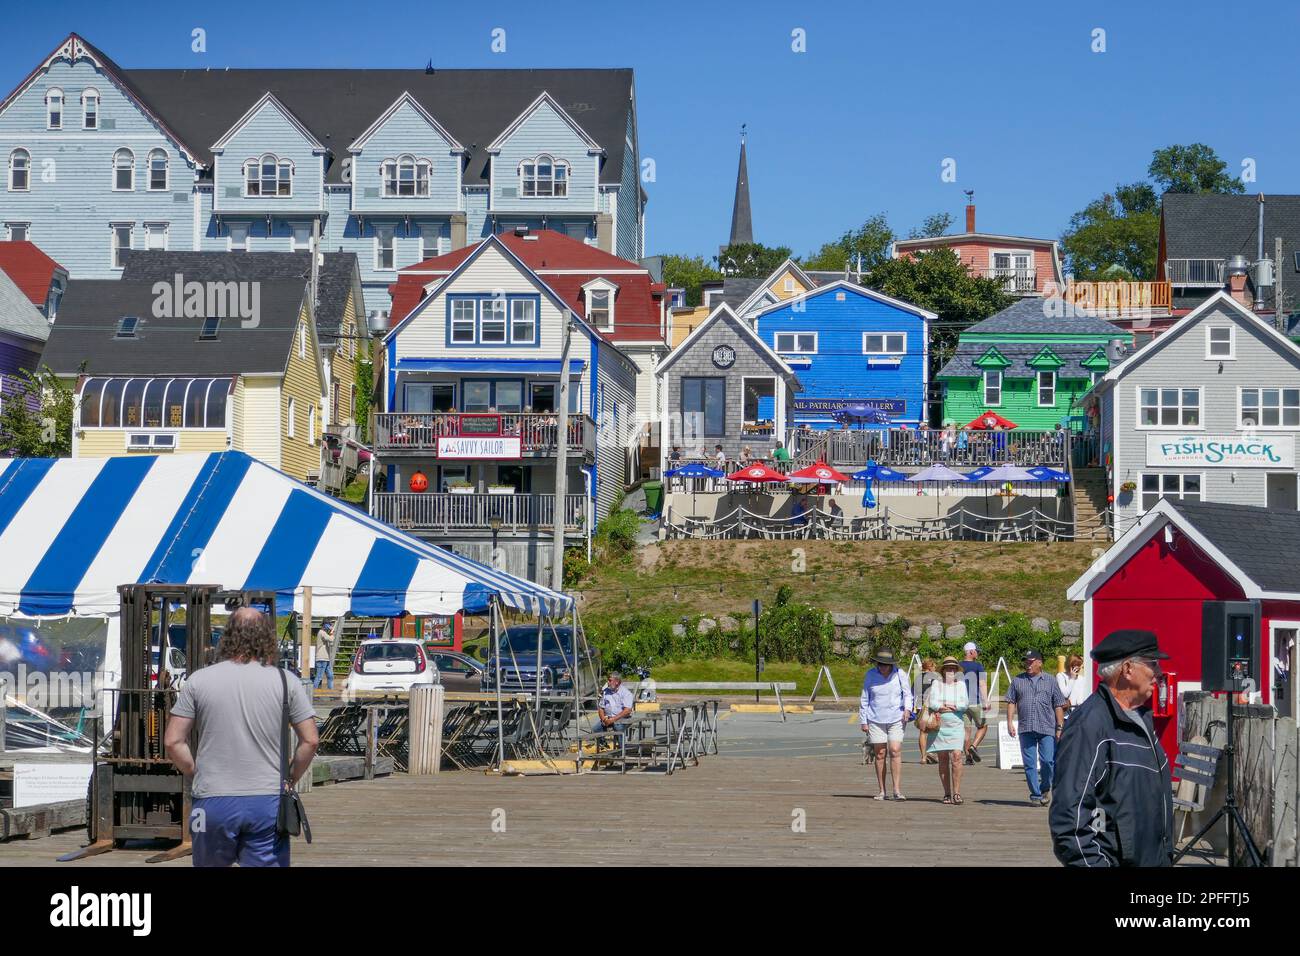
126, 326
209, 330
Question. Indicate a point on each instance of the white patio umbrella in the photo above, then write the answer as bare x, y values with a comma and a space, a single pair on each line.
938, 472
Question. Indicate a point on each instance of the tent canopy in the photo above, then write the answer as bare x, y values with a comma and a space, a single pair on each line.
72, 530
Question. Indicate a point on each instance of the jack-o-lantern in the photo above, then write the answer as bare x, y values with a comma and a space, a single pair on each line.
419, 482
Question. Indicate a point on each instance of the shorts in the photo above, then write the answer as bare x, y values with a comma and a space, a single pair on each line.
884, 733
229, 830
975, 714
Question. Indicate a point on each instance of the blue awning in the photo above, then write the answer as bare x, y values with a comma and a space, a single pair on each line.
490, 366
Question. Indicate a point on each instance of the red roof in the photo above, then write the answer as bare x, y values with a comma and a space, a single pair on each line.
30, 269
564, 264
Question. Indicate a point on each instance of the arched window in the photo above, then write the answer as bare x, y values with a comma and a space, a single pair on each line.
54, 108
90, 109
133, 401
153, 402
406, 176
20, 170
90, 395
196, 403
110, 413
123, 170
158, 170
217, 396
543, 176
174, 403
268, 177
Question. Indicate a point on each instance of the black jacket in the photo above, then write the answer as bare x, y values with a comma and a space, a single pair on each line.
1113, 800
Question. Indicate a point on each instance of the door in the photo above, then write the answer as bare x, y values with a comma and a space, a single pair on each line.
1282, 491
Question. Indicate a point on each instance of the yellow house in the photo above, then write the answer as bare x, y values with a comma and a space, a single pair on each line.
745, 296
192, 367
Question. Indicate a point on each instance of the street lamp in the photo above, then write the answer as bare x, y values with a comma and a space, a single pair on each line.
494, 522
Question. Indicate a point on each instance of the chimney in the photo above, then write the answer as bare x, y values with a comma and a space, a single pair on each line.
970, 217
1237, 268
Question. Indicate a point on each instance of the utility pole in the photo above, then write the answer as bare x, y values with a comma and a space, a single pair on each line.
1279, 313
561, 460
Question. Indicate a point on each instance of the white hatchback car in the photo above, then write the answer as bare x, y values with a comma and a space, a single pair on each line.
390, 664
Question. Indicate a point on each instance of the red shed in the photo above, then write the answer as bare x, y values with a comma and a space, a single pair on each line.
1181, 554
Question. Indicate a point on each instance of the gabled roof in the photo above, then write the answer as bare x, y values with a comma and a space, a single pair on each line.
1259, 548
764, 285
268, 99
566, 265
406, 98
1220, 298
1044, 316
1015, 360
17, 314
30, 269
546, 99
339, 272
855, 288
721, 312
92, 308
992, 357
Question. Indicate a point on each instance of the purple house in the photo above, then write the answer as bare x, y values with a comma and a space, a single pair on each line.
23, 331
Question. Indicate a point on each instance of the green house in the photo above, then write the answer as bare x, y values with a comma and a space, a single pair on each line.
1028, 363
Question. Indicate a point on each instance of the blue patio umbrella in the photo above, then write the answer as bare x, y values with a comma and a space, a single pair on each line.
874, 472
862, 414
1043, 473
693, 469
979, 473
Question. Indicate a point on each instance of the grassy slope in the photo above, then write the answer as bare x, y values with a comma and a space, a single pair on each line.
942, 580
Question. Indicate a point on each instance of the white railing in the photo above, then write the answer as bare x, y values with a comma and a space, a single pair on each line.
430, 511
1208, 272
537, 432
1015, 280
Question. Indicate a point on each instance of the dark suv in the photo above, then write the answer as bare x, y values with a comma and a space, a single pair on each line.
518, 647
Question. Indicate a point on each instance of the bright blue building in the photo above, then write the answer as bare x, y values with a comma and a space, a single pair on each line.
851, 345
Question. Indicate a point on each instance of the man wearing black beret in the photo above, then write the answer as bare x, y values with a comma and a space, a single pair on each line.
1114, 803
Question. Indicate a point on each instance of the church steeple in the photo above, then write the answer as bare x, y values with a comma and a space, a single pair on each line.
742, 226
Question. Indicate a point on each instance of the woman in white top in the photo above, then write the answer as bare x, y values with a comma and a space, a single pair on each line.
947, 698
1074, 686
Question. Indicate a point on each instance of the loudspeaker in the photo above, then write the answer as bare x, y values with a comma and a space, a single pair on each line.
1229, 645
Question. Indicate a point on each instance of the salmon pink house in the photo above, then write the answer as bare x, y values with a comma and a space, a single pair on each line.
1181, 554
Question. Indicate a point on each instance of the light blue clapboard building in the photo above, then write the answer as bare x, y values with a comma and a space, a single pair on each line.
395, 165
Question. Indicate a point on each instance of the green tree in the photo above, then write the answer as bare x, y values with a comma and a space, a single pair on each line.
1195, 168
932, 226
42, 431
1115, 236
870, 242
688, 272
365, 388
751, 260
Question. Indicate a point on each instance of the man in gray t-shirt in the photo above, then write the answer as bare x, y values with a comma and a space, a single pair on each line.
236, 710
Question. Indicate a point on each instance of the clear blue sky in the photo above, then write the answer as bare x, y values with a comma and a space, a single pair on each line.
860, 123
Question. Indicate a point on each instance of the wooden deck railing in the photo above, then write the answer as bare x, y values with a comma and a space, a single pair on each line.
1120, 298
433, 511
538, 432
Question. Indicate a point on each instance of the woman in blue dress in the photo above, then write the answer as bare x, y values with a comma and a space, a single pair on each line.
947, 699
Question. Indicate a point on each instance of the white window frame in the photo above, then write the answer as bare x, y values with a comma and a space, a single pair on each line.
294, 228
302, 341
391, 233
50, 94
154, 440
776, 343
113, 246
311, 424
1181, 494
1038, 388
255, 165
1160, 389
487, 306
788, 285
1281, 407
25, 226
884, 342
151, 229
291, 431
166, 171
88, 96
554, 182
985, 389
27, 156
246, 244
600, 285
421, 172
452, 320
1232, 343
119, 152
532, 308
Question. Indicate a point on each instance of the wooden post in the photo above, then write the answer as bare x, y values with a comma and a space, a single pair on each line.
426, 729
371, 745
305, 635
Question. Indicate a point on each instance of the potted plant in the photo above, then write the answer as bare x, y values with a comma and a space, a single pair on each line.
1128, 487
501, 489
460, 487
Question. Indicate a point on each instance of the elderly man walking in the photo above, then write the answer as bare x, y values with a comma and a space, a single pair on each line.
1035, 714
1114, 803
883, 710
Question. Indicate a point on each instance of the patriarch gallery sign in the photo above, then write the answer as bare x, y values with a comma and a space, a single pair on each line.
1221, 451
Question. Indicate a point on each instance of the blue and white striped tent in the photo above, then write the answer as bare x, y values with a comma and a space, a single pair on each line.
72, 530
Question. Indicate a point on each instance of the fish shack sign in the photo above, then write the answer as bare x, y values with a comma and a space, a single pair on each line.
1221, 451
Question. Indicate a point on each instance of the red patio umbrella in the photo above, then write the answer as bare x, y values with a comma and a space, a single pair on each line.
988, 419
756, 473
820, 472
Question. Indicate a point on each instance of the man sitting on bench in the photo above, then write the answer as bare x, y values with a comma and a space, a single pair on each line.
615, 704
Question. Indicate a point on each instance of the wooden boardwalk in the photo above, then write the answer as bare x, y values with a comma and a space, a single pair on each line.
731, 810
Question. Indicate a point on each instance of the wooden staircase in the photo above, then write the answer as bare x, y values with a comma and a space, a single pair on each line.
1088, 491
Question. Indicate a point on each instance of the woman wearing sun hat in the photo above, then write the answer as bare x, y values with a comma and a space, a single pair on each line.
883, 712
947, 700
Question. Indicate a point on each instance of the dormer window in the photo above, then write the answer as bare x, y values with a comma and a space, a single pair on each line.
543, 176
54, 109
126, 327
406, 176
90, 109
600, 304
268, 177
124, 170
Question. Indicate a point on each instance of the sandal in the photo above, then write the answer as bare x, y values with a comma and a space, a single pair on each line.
956, 798
899, 796
880, 796
947, 798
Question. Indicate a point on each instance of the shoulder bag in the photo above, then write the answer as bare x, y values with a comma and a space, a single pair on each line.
291, 820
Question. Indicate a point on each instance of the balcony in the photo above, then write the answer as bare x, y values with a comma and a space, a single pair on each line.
418, 433
1120, 298
898, 447
1015, 281
519, 513
1194, 272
